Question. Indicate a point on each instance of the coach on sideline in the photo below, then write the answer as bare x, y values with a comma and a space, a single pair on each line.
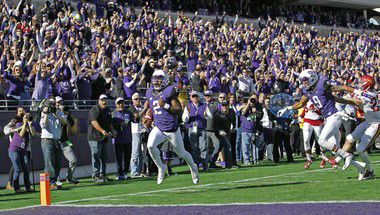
99, 129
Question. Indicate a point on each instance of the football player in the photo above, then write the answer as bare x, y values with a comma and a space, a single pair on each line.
368, 131
318, 90
313, 123
163, 100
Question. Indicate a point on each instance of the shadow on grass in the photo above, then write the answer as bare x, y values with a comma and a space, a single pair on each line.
18, 199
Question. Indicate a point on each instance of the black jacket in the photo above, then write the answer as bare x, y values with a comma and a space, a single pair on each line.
223, 122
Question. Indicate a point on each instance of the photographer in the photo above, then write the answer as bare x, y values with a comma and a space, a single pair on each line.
66, 144
18, 150
252, 113
51, 124
13, 127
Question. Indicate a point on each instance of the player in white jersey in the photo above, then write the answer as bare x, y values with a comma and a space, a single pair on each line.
367, 131
313, 122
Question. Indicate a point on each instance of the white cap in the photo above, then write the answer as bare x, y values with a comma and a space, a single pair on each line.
58, 99
18, 63
135, 95
119, 99
103, 96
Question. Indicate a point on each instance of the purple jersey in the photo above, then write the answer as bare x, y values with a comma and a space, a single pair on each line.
321, 97
163, 119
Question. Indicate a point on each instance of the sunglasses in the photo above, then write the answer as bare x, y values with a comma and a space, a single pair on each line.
136, 99
222, 97
195, 96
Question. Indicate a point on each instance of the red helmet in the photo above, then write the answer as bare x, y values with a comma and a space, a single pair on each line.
367, 82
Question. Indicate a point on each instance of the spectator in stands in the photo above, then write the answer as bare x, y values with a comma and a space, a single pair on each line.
99, 130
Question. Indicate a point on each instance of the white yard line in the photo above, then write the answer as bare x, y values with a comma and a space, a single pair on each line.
195, 186
226, 204
192, 187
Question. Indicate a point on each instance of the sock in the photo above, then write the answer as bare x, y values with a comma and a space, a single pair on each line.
365, 157
338, 158
323, 155
359, 165
308, 157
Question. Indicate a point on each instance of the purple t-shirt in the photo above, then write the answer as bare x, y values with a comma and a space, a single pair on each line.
19, 144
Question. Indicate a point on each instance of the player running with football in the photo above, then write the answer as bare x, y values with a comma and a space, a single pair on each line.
367, 132
319, 90
163, 100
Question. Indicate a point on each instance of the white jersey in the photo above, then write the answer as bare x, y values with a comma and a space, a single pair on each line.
312, 112
370, 105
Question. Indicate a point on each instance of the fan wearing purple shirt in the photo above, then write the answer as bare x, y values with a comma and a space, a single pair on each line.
163, 100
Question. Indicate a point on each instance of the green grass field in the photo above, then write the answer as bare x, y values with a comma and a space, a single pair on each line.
262, 183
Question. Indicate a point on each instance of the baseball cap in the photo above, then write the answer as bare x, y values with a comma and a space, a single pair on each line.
58, 99
119, 99
194, 93
135, 95
208, 93
103, 96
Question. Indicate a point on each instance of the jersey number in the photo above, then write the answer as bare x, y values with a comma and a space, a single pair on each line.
156, 107
316, 101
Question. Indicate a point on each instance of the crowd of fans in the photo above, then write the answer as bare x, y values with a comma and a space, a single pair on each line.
71, 54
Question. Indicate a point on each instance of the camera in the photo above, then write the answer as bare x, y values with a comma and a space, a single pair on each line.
29, 117
252, 100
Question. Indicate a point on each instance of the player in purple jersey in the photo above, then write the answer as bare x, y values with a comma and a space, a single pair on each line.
319, 90
163, 100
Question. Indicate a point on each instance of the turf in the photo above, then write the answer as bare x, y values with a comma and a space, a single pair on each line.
262, 183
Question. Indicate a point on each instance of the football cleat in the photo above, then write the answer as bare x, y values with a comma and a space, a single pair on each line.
347, 161
194, 175
323, 164
369, 175
333, 163
161, 174
361, 176
307, 164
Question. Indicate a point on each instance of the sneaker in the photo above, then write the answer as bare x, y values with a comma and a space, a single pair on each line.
347, 161
53, 186
136, 176
19, 191
194, 175
161, 174
369, 175
223, 164
30, 190
9, 186
106, 179
72, 181
97, 179
58, 183
361, 176
307, 164
323, 164
333, 163
120, 178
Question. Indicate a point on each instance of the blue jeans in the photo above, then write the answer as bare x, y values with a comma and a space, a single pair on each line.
137, 155
239, 155
52, 152
98, 157
249, 147
19, 164
199, 148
